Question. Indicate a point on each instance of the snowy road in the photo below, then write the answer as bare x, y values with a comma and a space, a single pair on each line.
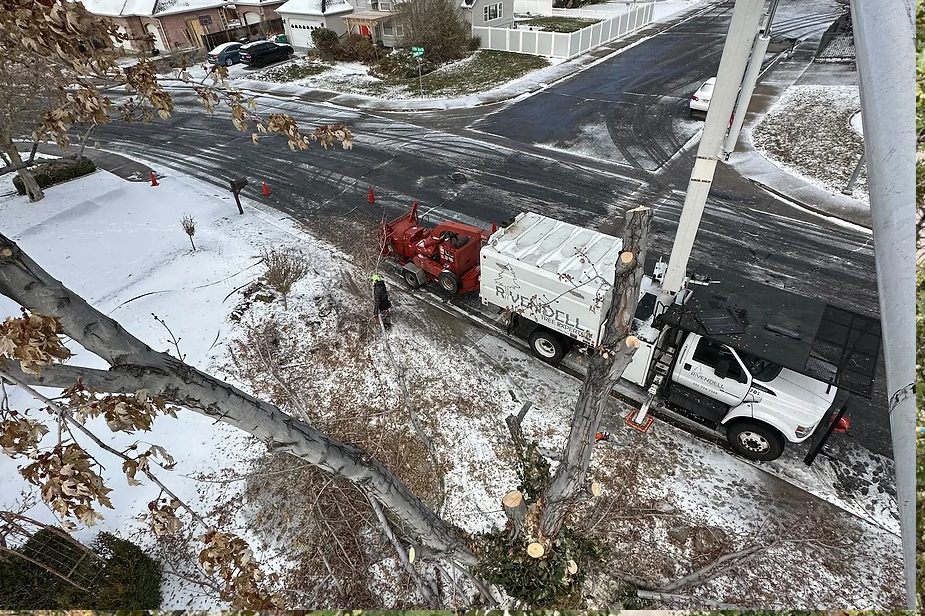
405, 163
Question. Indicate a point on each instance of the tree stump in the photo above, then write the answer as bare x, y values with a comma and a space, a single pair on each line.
515, 509
536, 550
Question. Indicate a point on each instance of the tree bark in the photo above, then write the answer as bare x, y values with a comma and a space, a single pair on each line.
136, 366
604, 370
33, 190
515, 508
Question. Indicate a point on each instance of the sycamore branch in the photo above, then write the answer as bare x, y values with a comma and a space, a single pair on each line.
136, 366
62, 412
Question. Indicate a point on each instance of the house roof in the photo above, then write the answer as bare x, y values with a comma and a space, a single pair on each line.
149, 8
120, 8
313, 7
170, 7
370, 16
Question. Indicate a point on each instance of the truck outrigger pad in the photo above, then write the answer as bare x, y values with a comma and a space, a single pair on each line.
819, 340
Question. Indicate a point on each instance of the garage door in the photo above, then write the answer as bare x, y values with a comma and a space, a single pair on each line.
300, 32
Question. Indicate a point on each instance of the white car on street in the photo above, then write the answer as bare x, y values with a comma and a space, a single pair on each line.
700, 101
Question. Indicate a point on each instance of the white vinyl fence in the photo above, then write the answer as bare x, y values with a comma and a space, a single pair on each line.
561, 45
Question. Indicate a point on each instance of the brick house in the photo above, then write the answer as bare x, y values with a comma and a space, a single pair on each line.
179, 24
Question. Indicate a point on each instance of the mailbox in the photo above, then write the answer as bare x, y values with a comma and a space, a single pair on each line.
238, 185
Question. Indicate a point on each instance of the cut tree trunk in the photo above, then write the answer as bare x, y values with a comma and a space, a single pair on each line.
515, 508
33, 190
135, 366
604, 370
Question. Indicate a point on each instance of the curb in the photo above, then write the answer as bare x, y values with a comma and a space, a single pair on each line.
804, 205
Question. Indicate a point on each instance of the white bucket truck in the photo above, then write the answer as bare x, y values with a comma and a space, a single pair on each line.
769, 366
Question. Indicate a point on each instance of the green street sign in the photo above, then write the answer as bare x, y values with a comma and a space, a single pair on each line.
417, 52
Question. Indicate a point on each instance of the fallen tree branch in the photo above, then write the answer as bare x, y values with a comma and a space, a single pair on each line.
426, 592
716, 568
662, 596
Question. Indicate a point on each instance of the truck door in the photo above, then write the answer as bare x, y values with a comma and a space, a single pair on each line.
713, 369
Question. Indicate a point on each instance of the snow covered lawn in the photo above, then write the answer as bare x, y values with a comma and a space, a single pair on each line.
559, 24
809, 132
671, 502
480, 72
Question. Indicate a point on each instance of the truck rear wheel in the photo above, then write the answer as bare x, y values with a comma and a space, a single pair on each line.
449, 282
548, 346
755, 440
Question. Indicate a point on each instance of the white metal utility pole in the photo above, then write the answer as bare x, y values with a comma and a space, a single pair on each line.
759, 49
884, 37
743, 30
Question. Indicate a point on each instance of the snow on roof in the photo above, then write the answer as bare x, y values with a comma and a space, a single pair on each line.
169, 7
225, 46
559, 247
125, 8
313, 7
115, 8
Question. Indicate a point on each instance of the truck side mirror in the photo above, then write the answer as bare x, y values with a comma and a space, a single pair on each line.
722, 368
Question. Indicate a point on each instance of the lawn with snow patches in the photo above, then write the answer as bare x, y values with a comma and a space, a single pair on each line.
670, 503
480, 72
809, 132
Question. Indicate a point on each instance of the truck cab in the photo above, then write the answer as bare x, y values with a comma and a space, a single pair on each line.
761, 404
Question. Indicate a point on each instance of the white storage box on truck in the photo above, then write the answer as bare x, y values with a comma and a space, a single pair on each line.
558, 276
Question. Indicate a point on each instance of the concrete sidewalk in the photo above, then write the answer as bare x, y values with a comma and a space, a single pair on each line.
754, 166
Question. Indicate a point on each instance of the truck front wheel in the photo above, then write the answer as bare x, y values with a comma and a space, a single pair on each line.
755, 440
548, 346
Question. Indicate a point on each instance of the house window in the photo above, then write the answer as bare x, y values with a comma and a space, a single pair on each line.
387, 29
492, 11
399, 30
385, 6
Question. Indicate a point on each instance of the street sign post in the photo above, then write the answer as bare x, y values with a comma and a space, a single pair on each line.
418, 52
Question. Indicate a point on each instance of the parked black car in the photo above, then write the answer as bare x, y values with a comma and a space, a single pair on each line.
262, 53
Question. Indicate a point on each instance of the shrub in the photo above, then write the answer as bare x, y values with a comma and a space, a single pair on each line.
400, 65
326, 43
125, 577
284, 268
49, 174
361, 49
131, 579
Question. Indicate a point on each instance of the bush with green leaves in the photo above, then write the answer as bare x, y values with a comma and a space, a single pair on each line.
538, 582
326, 42
401, 65
49, 174
122, 576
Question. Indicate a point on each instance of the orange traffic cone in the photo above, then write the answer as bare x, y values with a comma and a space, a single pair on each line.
154, 180
371, 197
266, 189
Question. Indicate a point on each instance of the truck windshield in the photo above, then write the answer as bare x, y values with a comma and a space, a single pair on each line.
760, 369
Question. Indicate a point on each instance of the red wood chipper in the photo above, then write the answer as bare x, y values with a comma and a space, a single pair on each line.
448, 253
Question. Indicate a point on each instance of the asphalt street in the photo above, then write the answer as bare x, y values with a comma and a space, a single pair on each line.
505, 173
